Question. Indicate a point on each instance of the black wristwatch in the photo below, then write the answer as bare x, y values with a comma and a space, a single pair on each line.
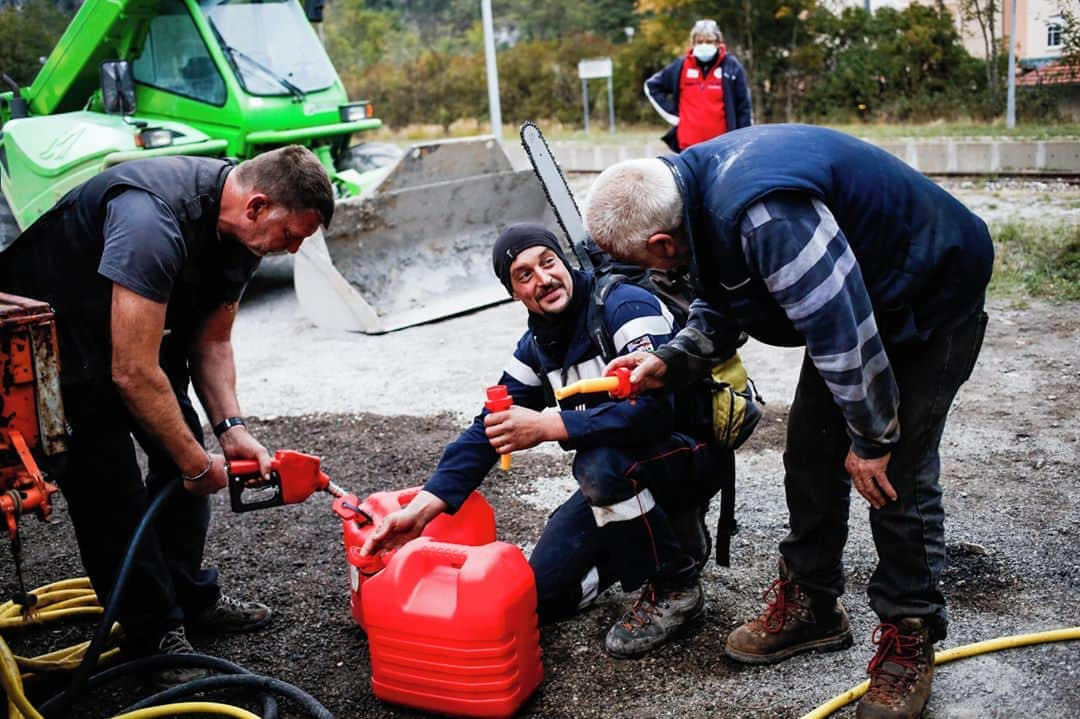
226, 424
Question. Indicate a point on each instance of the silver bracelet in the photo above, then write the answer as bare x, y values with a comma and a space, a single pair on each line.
200, 475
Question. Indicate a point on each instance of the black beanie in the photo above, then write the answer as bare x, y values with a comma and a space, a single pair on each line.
514, 240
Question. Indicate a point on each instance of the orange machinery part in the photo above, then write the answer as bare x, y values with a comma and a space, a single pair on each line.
31, 414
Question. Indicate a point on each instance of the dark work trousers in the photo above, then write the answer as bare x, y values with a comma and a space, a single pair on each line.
106, 497
575, 559
909, 533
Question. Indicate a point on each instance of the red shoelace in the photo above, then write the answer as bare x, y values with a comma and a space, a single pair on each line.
644, 607
776, 604
898, 649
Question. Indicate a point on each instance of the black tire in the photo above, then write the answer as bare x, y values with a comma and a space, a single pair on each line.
9, 230
368, 156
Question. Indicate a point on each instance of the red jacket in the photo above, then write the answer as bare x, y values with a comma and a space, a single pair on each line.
701, 100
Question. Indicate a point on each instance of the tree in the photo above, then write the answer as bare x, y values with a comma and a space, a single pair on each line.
984, 12
1070, 34
27, 34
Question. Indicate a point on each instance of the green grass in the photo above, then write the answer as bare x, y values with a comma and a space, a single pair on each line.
1037, 260
1062, 131
636, 134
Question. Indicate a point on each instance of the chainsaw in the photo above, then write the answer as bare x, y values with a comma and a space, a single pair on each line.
294, 477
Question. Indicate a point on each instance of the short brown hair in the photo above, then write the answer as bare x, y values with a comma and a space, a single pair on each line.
291, 177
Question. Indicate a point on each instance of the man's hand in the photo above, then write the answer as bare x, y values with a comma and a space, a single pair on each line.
404, 525
214, 480
237, 443
522, 428
647, 373
870, 479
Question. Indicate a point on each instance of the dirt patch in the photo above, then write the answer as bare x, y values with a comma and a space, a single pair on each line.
1009, 462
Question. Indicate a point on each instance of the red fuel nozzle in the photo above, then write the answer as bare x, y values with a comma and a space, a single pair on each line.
294, 477
499, 400
616, 383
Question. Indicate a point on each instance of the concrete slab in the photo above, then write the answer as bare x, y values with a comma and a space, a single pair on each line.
931, 156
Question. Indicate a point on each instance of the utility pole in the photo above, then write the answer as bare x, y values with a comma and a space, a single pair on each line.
1010, 102
495, 111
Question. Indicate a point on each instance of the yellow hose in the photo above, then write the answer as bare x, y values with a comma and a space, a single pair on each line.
61, 600
968, 650
189, 708
19, 706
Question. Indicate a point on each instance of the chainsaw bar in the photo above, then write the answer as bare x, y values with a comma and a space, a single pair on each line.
557, 191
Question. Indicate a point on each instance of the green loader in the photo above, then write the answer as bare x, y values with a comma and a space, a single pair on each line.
133, 79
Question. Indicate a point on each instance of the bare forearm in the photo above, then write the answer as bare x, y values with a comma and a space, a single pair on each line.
213, 374
425, 506
150, 399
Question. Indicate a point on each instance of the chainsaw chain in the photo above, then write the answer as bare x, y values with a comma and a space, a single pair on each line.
530, 132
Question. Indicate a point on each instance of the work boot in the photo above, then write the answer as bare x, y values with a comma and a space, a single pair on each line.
900, 673
658, 616
175, 642
231, 615
693, 535
792, 622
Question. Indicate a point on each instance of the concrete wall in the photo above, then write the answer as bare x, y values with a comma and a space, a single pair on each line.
944, 156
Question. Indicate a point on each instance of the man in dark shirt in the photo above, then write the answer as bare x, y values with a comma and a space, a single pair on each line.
803, 235
144, 265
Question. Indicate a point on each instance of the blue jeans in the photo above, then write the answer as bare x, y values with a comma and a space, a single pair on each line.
575, 559
909, 533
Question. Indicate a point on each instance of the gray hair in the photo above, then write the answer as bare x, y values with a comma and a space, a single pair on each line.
706, 27
629, 202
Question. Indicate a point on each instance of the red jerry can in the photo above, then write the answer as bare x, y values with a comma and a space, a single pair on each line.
452, 629
473, 523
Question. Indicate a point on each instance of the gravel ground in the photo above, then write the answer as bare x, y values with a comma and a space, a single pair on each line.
380, 409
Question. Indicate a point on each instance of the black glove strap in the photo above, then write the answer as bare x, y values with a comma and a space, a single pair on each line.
226, 424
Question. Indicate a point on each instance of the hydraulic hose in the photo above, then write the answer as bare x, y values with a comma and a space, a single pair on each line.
944, 657
305, 700
97, 644
164, 661
75, 597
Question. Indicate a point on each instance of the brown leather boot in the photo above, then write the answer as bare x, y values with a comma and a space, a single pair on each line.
900, 673
792, 622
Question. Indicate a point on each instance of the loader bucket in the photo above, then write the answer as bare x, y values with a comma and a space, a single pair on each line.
417, 246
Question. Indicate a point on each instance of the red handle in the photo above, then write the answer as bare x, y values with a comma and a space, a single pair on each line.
498, 399
243, 467
625, 389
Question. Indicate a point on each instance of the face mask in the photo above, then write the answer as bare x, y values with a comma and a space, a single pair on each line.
704, 52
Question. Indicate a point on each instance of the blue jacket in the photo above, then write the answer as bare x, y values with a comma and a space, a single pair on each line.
662, 90
924, 257
803, 235
635, 318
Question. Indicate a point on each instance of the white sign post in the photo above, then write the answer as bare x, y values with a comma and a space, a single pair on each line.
494, 108
597, 68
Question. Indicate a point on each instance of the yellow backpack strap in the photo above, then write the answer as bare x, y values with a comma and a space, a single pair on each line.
735, 402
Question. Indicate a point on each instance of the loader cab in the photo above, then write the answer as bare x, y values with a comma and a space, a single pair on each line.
251, 72
211, 77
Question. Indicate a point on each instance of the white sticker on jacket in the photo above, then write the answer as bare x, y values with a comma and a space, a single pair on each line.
641, 344
691, 73
718, 72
